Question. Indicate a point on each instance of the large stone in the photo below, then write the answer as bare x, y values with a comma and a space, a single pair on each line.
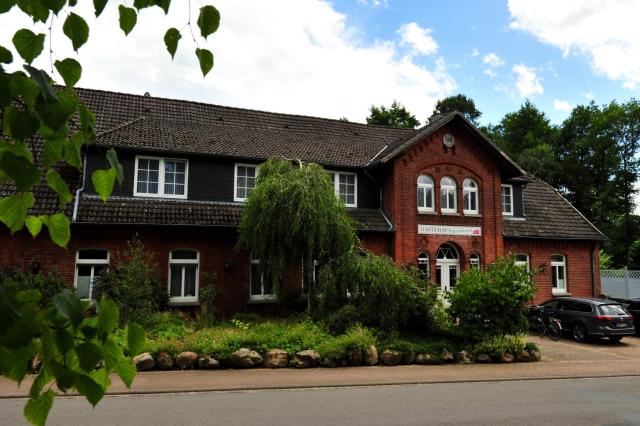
483, 358
276, 358
143, 362
306, 359
523, 356
390, 358
463, 357
164, 361
506, 357
446, 356
244, 358
208, 362
408, 357
426, 359
371, 356
535, 355
186, 360
355, 357
331, 361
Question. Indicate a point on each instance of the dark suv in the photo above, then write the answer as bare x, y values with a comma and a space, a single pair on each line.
587, 317
633, 306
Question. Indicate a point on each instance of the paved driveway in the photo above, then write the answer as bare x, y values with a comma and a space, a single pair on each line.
567, 349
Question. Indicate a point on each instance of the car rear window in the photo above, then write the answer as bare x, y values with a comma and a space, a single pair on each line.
612, 310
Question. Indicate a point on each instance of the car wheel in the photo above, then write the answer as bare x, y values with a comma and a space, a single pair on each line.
579, 332
615, 339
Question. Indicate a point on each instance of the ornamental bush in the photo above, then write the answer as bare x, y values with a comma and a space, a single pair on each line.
492, 302
47, 285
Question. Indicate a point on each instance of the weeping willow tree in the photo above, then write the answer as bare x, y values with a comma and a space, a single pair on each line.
294, 216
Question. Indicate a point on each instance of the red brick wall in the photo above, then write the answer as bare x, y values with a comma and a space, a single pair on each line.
377, 243
578, 260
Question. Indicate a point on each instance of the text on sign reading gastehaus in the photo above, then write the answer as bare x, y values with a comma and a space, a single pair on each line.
471, 231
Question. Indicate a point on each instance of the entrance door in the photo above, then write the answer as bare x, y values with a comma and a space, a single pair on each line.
447, 267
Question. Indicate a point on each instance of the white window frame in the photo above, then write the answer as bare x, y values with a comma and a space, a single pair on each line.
235, 179
161, 171
91, 262
263, 297
471, 191
423, 259
184, 300
424, 187
474, 261
449, 188
525, 263
510, 188
555, 265
336, 186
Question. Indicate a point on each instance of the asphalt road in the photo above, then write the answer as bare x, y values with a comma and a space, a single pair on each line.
612, 401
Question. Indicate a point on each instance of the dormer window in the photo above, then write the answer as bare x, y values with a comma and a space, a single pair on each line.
160, 177
346, 185
245, 181
507, 200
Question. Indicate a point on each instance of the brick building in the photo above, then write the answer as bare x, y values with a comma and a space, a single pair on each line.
442, 197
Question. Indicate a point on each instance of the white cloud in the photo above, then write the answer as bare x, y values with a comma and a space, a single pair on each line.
491, 73
374, 2
418, 38
589, 96
606, 32
560, 105
492, 60
475, 52
293, 56
527, 81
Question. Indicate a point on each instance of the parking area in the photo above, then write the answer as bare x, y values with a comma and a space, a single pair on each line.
567, 349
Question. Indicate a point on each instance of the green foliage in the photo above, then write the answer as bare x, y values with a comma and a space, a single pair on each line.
494, 346
134, 283
205, 58
208, 21
47, 285
386, 296
394, 116
341, 320
208, 297
128, 18
76, 352
460, 103
293, 214
492, 302
171, 39
606, 262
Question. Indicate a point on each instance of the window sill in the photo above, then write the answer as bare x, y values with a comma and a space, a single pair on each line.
183, 301
450, 214
172, 197
560, 293
262, 300
472, 214
429, 212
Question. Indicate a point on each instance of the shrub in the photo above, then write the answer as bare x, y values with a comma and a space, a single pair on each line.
385, 296
497, 345
248, 317
342, 319
47, 284
134, 284
209, 294
356, 337
492, 302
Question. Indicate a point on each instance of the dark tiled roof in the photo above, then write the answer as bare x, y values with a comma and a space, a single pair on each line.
158, 124
152, 211
549, 215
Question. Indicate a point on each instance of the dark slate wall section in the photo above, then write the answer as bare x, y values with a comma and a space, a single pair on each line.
517, 201
368, 192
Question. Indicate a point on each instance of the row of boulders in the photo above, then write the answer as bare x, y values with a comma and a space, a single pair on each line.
278, 358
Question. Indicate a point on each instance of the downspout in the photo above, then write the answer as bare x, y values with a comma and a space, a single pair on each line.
79, 191
593, 269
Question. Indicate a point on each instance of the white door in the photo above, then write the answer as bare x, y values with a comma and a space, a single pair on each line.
447, 267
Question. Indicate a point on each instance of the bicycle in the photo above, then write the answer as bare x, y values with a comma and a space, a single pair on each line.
541, 324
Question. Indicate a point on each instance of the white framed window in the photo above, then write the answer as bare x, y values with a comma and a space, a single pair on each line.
507, 200
183, 276
261, 285
470, 197
522, 259
161, 177
346, 187
90, 263
244, 181
448, 195
558, 274
425, 194
474, 261
423, 265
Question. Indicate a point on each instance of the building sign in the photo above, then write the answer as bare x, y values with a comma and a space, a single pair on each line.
469, 231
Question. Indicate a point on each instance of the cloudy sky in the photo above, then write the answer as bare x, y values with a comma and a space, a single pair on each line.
335, 59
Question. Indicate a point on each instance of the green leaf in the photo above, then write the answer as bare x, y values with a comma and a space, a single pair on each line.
36, 9
59, 229
64, 376
13, 210
28, 44
70, 70
108, 316
99, 5
71, 151
22, 86
126, 370
205, 57
44, 377
52, 152
128, 18
43, 81
36, 410
76, 29
112, 353
208, 21
22, 171
55, 5
19, 124
87, 119
34, 225
162, 4
171, 38
101, 376
141, 4
55, 182
68, 304
89, 388
135, 338
103, 181
6, 57
6, 5
112, 158
88, 355
64, 340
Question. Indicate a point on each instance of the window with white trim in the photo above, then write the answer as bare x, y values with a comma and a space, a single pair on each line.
90, 263
245, 181
160, 177
522, 259
507, 200
448, 195
346, 187
558, 273
470, 197
474, 261
261, 285
423, 265
183, 276
425, 194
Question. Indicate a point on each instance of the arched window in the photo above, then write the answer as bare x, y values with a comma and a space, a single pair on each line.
448, 195
470, 196
425, 194
474, 261
90, 263
423, 265
183, 276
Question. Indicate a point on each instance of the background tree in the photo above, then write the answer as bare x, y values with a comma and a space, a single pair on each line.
394, 116
460, 103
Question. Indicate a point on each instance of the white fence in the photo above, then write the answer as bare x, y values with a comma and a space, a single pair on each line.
621, 283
